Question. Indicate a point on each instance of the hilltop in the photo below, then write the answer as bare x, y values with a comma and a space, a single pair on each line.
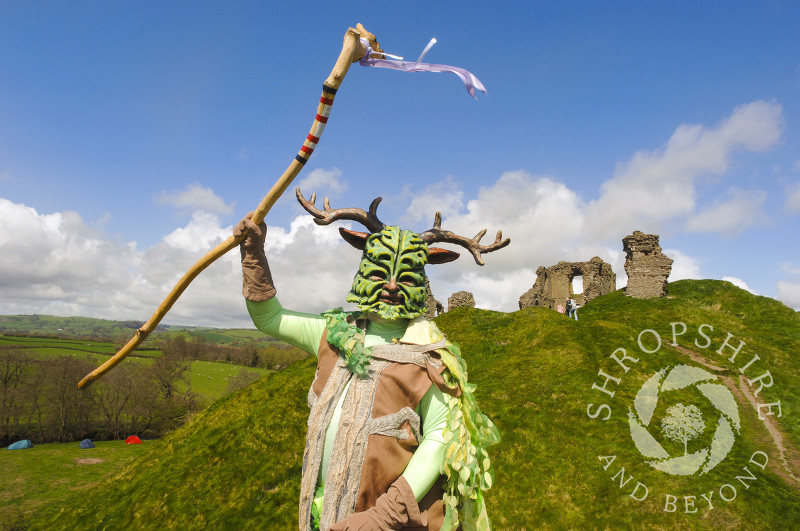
237, 464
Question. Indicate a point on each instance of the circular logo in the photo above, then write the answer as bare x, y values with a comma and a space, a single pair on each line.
683, 423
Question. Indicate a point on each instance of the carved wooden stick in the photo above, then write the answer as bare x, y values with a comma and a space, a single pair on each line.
352, 51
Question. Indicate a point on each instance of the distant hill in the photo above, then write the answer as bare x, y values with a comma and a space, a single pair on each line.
68, 326
88, 327
237, 464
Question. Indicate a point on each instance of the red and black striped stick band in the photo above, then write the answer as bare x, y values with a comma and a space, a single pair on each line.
323, 111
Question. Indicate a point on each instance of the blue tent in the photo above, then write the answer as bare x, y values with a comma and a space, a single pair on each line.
21, 445
87, 443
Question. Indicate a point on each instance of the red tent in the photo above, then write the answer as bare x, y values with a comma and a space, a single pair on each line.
133, 439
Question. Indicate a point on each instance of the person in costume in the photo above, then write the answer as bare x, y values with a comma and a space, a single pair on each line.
395, 437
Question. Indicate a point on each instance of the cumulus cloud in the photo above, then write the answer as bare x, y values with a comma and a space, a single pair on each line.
739, 283
789, 294
323, 182
654, 187
195, 197
55, 263
445, 196
683, 267
740, 211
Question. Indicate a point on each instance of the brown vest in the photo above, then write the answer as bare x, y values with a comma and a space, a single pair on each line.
378, 430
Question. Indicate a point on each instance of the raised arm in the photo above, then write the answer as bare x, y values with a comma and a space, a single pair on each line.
302, 330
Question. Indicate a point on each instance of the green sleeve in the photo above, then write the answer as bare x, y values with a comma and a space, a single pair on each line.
426, 464
303, 330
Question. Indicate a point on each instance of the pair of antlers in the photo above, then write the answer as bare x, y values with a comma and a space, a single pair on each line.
370, 220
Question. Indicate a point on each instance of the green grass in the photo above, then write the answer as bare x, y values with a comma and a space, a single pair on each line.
210, 379
46, 477
237, 464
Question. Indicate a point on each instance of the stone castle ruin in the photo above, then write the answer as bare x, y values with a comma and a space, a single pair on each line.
460, 299
647, 267
553, 284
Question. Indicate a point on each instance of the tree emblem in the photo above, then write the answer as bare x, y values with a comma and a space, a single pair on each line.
683, 423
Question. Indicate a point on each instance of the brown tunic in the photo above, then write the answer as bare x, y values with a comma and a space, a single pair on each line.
378, 430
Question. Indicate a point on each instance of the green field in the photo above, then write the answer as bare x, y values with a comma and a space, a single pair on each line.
208, 379
237, 464
45, 477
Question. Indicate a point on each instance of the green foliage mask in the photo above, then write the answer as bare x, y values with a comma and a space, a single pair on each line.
391, 278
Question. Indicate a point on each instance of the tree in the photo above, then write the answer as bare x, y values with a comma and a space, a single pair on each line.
112, 397
683, 424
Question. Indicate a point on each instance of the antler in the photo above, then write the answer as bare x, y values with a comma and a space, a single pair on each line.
436, 234
328, 215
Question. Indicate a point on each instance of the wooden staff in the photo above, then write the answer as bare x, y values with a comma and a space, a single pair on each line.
352, 51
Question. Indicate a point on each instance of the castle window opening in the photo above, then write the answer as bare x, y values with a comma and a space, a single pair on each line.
577, 284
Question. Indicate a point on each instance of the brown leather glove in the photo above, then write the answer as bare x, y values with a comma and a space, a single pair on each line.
394, 509
257, 283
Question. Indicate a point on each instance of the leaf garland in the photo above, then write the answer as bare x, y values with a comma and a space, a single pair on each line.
349, 339
467, 436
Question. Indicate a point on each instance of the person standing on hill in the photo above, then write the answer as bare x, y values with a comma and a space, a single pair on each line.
395, 437
572, 308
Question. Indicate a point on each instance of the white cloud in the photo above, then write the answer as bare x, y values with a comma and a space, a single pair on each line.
789, 294
498, 292
541, 216
683, 267
195, 197
739, 283
323, 182
657, 186
742, 210
445, 196
243, 154
55, 263
203, 232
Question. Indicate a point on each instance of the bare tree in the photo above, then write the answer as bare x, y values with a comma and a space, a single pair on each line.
112, 397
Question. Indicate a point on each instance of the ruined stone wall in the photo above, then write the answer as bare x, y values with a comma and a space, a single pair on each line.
460, 299
433, 307
553, 284
647, 267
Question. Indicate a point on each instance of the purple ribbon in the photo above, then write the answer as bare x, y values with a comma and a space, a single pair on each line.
471, 82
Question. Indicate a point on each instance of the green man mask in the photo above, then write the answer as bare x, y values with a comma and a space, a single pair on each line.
391, 277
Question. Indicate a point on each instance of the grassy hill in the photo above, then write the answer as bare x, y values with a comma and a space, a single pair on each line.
237, 464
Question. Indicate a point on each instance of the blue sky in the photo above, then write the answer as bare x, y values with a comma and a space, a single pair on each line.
134, 134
